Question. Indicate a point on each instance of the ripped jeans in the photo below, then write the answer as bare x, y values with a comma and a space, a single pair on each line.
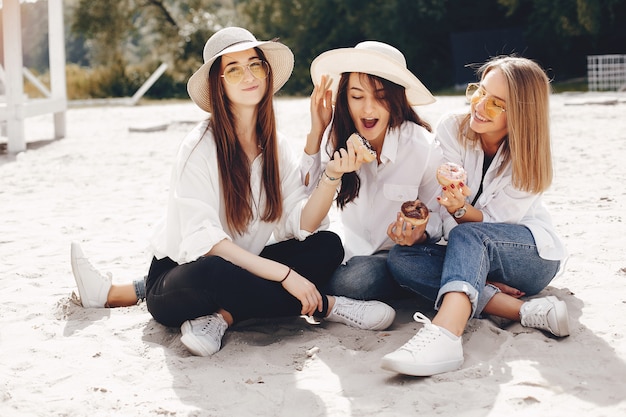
476, 253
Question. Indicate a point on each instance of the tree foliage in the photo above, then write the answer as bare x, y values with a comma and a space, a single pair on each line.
562, 32
312, 27
558, 33
142, 34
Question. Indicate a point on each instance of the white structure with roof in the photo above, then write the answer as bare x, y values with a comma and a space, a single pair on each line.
16, 107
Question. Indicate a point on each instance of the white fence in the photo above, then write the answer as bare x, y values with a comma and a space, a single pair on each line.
606, 72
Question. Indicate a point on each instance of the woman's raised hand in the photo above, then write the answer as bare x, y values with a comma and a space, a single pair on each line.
321, 113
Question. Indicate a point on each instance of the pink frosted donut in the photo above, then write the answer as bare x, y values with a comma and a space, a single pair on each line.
451, 173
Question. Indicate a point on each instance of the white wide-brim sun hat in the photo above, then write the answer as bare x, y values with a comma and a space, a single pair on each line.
236, 39
374, 58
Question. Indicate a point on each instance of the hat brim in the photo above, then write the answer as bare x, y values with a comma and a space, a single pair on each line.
278, 55
339, 61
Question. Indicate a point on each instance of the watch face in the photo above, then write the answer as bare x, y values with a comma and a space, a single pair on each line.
459, 213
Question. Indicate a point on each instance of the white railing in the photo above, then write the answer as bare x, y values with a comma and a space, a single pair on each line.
606, 72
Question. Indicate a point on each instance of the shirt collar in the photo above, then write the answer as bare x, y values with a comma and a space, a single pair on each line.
390, 146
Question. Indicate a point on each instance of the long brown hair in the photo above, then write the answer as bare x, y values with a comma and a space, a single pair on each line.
234, 167
527, 144
393, 98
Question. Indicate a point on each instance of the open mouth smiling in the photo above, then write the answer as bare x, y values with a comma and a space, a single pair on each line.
369, 123
480, 118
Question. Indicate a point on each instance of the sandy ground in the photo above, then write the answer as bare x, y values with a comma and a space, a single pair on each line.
105, 186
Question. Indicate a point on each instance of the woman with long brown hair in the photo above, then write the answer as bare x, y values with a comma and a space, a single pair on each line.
235, 184
369, 90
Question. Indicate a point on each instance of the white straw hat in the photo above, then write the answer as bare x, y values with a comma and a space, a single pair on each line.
374, 58
235, 39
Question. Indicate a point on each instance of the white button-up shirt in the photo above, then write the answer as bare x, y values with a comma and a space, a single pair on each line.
409, 160
500, 201
196, 219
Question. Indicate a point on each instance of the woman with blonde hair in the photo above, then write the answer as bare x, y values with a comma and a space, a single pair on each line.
501, 244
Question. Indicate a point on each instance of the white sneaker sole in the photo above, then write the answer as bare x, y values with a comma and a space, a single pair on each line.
414, 369
562, 317
75, 254
386, 321
191, 342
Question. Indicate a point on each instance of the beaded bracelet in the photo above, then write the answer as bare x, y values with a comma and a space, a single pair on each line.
288, 272
332, 181
331, 178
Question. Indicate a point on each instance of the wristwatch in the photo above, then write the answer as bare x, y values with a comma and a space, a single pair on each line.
460, 212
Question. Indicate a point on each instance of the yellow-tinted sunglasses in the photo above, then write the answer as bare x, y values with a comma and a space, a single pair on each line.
494, 107
234, 73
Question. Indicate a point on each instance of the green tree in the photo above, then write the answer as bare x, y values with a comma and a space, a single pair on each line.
135, 36
132, 37
106, 24
557, 33
311, 27
563, 32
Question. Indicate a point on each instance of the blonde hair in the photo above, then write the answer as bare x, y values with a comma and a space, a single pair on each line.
527, 144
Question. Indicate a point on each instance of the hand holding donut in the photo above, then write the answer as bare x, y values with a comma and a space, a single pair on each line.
410, 224
349, 159
343, 161
452, 178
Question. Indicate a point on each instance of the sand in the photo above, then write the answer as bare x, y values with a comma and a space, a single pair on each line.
105, 185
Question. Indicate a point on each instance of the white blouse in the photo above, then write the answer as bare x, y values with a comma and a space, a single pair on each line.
409, 160
500, 201
196, 220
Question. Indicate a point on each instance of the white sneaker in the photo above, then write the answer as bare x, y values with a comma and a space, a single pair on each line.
431, 351
368, 315
203, 336
547, 313
93, 287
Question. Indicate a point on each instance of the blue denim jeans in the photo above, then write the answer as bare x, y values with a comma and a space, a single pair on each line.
140, 288
476, 253
365, 278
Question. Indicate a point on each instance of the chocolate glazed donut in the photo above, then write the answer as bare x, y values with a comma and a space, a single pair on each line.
357, 141
414, 212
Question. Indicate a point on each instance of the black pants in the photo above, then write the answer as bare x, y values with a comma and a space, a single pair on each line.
176, 293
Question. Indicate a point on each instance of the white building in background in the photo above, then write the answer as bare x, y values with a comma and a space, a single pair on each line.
15, 107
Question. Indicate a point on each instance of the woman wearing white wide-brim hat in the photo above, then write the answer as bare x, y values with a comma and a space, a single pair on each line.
373, 92
234, 185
